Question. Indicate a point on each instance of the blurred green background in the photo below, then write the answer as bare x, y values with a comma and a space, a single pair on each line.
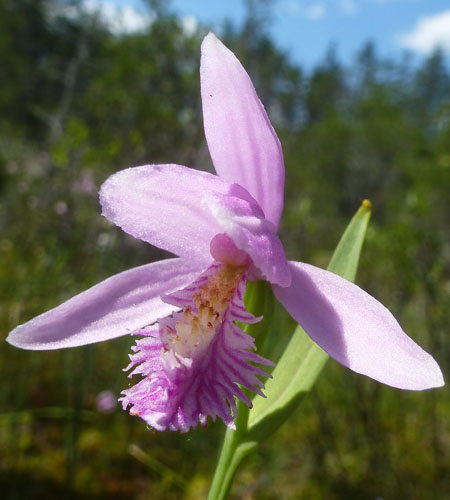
78, 103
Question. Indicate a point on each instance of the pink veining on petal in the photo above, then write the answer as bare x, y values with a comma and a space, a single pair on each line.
242, 220
356, 329
117, 306
162, 204
243, 144
193, 361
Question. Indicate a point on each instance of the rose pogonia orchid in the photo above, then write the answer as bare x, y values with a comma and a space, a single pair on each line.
223, 229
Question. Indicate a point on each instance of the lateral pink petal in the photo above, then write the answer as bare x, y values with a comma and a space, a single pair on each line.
243, 221
117, 306
243, 144
162, 204
356, 330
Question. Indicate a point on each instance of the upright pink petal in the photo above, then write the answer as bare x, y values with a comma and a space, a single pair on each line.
243, 144
117, 306
163, 205
356, 330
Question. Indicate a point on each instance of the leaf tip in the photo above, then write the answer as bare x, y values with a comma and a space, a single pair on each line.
367, 204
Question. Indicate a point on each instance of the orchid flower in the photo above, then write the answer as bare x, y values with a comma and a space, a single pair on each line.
192, 357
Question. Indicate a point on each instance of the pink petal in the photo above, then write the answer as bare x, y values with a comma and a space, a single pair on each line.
242, 220
162, 204
243, 144
356, 330
181, 389
181, 210
117, 306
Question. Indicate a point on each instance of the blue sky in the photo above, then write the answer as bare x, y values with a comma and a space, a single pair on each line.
306, 28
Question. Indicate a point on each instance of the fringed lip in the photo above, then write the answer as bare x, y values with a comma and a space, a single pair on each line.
188, 378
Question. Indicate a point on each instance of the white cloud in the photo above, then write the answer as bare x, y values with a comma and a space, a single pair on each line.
315, 11
430, 32
119, 18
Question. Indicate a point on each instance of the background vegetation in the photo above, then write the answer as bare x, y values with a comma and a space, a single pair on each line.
77, 103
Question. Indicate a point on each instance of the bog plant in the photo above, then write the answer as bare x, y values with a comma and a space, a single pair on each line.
195, 355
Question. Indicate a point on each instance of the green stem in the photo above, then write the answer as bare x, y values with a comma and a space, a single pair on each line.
236, 445
234, 449
297, 369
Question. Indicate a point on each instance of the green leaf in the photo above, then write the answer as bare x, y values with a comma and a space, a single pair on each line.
303, 360
345, 258
260, 301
